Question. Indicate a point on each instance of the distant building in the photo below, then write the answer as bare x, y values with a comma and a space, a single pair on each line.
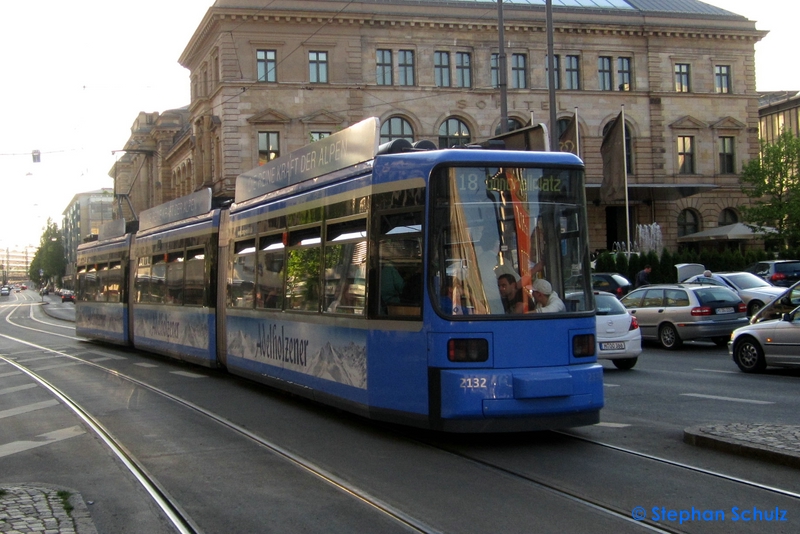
778, 111
83, 217
15, 263
267, 79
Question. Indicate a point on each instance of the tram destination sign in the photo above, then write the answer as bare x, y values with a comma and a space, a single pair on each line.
191, 205
351, 146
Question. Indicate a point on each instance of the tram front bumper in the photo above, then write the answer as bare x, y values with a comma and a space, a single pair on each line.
519, 392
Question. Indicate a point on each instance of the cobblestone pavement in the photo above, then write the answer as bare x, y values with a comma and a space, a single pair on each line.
776, 443
28, 508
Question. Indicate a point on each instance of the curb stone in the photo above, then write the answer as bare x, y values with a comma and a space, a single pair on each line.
774, 443
39, 508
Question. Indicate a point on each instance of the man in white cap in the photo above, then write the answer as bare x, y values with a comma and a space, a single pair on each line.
546, 299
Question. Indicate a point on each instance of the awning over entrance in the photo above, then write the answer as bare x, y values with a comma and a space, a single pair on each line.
730, 232
653, 192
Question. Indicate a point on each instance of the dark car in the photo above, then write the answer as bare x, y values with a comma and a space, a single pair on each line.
67, 296
613, 283
781, 273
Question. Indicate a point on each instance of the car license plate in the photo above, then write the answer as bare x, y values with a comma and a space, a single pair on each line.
612, 346
724, 310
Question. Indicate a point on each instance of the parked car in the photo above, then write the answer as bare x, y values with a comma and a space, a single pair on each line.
5, 291
67, 296
785, 303
619, 337
673, 313
609, 282
753, 290
775, 342
781, 273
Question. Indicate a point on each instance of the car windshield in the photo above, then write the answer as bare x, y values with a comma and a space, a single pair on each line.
747, 281
716, 295
609, 305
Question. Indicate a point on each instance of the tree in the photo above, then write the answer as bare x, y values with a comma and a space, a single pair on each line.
772, 181
49, 259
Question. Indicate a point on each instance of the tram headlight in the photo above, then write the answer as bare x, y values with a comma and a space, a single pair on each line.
468, 350
583, 345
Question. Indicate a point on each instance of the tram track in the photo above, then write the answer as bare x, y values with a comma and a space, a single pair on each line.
540, 483
181, 521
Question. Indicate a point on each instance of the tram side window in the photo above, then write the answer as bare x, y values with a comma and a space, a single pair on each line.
302, 270
142, 281
345, 267
102, 281
158, 277
243, 273
114, 281
174, 278
271, 261
195, 268
400, 264
91, 283
80, 287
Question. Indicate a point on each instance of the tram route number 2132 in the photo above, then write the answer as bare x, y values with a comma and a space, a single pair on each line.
473, 383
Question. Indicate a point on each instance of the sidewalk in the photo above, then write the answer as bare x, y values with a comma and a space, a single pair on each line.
27, 508
773, 443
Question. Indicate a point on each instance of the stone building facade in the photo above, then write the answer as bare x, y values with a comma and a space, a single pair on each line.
267, 80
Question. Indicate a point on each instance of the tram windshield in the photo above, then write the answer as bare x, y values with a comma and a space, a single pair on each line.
508, 240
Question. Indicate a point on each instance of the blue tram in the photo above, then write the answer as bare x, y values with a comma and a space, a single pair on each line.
367, 278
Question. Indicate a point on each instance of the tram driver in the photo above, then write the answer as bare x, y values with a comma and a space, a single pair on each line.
511, 295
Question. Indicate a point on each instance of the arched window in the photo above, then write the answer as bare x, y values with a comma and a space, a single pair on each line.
728, 216
453, 132
628, 144
513, 124
688, 223
396, 128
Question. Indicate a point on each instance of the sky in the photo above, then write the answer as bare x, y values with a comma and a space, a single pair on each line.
76, 75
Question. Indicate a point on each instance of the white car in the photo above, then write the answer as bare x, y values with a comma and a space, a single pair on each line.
753, 290
619, 337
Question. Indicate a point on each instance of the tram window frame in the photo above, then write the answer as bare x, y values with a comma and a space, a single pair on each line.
174, 278
141, 283
241, 291
271, 253
194, 294
101, 293
304, 255
346, 241
158, 279
91, 282
80, 276
395, 302
114, 282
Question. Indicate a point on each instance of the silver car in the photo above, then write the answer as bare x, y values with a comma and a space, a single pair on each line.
753, 290
775, 342
673, 313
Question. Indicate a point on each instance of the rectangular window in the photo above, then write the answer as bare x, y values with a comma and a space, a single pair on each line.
726, 156
682, 79
195, 269
269, 146
604, 76
624, 73
174, 293
722, 79
685, 154
271, 262
463, 69
519, 71
495, 68
241, 281
318, 67
441, 69
303, 266
572, 73
547, 72
383, 74
405, 67
316, 136
267, 63
346, 268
